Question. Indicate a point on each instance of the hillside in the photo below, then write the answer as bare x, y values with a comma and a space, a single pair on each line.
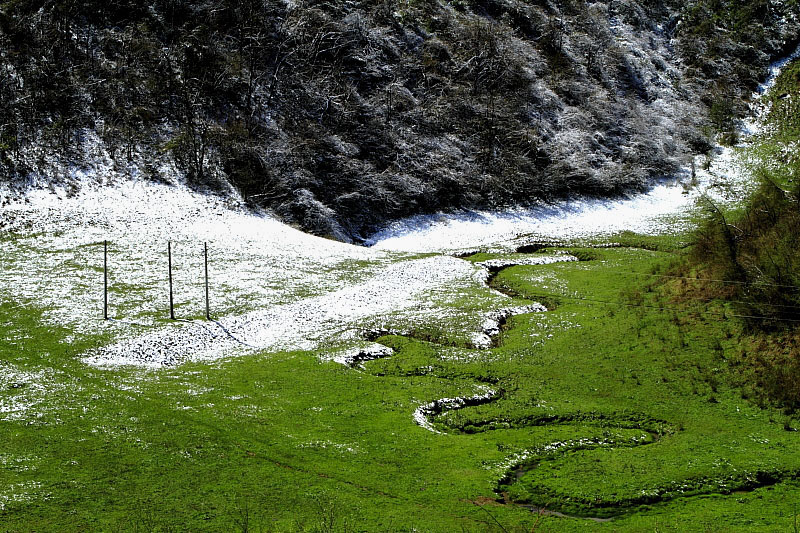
570, 367
753, 251
340, 116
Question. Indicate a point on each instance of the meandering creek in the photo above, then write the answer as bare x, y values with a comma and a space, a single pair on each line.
660, 210
427, 414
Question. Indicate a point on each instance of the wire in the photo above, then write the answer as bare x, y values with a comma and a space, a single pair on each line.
662, 308
784, 306
724, 281
732, 282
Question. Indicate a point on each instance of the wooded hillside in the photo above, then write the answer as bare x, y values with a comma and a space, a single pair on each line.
340, 115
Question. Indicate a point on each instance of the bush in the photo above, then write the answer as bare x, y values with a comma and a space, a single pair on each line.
769, 367
757, 252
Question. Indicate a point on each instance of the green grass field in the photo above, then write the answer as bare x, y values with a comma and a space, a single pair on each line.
615, 405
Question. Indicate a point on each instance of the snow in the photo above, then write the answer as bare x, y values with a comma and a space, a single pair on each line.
355, 355
29, 391
333, 318
493, 323
18, 492
775, 70
652, 212
138, 218
752, 125
425, 412
272, 286
496, 264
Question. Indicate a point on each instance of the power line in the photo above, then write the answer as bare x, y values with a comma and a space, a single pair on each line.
784, 306
663, 308
724, 281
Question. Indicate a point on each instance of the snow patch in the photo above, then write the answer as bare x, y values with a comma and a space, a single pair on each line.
18, 493
423, 413
497, 264
356, 355
337, 317
495, 320
29, 394
649, 213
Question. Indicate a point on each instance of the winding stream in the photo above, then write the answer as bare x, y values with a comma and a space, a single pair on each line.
653, 212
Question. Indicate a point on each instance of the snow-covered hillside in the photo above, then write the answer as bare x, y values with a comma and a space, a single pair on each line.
664, 208
274, 287
341, 116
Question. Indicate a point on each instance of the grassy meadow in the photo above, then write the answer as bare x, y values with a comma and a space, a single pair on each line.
614, 411
622, 408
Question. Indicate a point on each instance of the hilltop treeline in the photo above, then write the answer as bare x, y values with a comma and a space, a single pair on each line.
340, 115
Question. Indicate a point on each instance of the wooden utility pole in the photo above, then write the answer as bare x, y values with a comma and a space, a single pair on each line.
169, 261
205, 254
105, 280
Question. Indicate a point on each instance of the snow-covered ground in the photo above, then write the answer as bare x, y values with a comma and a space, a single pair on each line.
759, 109
254, 260
272, 286
653, 212
663, 209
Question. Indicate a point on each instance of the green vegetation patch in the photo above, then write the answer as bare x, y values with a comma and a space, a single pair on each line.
619, 403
